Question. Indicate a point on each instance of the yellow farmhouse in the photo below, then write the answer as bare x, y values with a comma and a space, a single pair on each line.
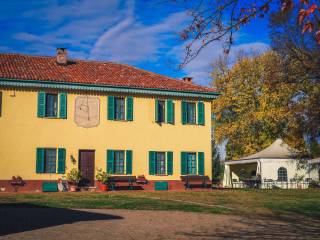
57, 114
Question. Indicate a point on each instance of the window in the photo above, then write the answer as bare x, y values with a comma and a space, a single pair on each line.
282, 174
160, 163
119, 109
161, 112
191, 163
191, 113
51, 105
119, 162
50, 160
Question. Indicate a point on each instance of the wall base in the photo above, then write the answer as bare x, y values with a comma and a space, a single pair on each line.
36, 185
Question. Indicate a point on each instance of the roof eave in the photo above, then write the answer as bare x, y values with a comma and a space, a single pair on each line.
103, 88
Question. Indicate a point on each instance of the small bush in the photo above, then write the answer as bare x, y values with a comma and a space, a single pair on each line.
314, 184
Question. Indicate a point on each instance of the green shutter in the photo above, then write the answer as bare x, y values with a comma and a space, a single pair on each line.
152, 162
129, 108
61, 160
41, 104
169, 163
184, 113
183, 163
200, 163
170, 111
0, 103
128, 162
63, 105
200, 113
110, 107
40, 160
110, 161
156, 115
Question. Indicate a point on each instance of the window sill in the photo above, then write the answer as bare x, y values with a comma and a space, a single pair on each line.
159, 175
162, 123
50, 117
118, 120
50, 173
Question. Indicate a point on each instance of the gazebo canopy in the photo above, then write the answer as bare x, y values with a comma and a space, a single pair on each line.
278, 149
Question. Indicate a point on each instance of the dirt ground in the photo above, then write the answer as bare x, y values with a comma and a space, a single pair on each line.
75, 224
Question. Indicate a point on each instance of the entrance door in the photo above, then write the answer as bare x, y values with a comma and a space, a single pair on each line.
86, 166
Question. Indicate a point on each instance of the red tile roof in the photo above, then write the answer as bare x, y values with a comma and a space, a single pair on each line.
26, 67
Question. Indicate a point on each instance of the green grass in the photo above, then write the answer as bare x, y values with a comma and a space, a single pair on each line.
244, 202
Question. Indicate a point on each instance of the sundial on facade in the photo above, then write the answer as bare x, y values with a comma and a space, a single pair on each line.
87, 111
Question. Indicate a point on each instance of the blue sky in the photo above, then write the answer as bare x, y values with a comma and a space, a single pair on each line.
140, 33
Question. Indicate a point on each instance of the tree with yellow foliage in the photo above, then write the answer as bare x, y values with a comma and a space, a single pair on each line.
255, 106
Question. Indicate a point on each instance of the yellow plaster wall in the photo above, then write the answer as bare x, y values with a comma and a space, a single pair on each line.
21, 132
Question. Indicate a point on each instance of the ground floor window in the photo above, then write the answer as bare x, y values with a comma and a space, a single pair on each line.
160, 163
191, 163
50, 160
282, 174
119, 162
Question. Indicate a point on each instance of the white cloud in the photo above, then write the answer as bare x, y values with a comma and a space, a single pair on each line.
104, 30
130, 41
200, 67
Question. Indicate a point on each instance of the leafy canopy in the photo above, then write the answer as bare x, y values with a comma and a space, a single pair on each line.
254, 107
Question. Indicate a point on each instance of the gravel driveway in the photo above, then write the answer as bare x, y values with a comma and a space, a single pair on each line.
95, 224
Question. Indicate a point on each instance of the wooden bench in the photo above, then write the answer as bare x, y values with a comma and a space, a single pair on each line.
195, 181
120, 180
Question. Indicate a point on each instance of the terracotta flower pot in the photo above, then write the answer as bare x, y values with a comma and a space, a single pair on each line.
73, 188
103, 187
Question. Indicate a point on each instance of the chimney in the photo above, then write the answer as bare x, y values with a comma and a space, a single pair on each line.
62, 56
187, 79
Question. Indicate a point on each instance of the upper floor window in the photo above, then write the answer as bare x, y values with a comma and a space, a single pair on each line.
51, 105
160, 163
191, 113
120, 108
119, 105
164, 111
282, 174
161, 111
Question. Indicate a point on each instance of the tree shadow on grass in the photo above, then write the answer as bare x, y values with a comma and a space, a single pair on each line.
15, 218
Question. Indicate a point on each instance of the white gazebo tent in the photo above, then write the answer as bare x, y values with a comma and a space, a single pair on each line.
275, 163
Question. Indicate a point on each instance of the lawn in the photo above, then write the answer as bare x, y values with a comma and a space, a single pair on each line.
244, 202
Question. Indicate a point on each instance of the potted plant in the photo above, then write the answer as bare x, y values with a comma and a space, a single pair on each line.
74, 177
103, 179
